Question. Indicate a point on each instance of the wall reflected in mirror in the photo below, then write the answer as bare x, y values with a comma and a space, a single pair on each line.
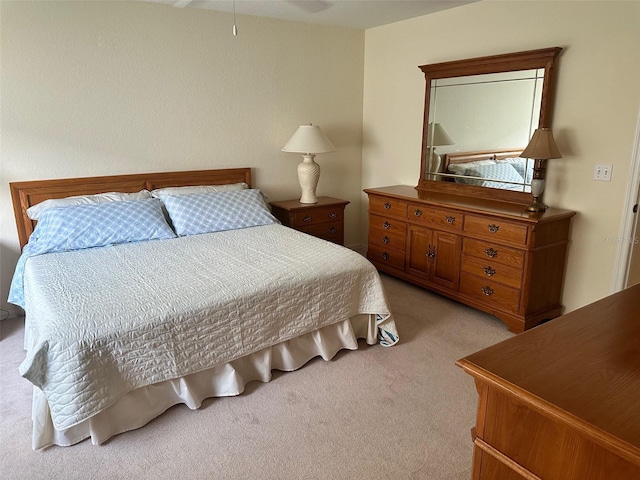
480, 124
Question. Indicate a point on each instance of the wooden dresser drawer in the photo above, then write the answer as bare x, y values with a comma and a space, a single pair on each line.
391, 225
497, 272
386, 256
329, 230
318, 215
387, 206
511, 257
435, 217
387, 238
490, 292
495, 230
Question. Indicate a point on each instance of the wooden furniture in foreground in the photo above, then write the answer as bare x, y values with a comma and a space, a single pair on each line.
26, 194
491, 255
324, 219
562, 401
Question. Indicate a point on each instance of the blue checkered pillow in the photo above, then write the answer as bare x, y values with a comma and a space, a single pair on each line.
97, 225
215, 212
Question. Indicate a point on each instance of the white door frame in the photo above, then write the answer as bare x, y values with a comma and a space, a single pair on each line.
629, 219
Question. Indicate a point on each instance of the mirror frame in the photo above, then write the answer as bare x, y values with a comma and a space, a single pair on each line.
527, 60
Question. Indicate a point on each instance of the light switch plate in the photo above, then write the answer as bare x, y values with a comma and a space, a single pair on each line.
602, 172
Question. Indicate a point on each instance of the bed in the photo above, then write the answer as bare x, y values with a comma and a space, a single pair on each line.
503, 169
180, 287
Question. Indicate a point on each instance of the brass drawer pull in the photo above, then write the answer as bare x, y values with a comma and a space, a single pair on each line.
450, 219
493, 228
307, 218
487, 291
333, 215
387, 205
489, 271
490, 252
386, 225
333, 230
385, 256
385, 239
417, 212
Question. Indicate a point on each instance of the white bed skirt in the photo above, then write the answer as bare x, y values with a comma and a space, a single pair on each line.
138, 407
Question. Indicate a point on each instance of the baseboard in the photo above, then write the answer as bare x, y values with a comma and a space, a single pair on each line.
358, 247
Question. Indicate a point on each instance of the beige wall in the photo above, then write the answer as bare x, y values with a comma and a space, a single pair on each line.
596, 112
105, 88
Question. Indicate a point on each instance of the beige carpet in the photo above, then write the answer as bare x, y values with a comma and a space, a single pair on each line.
377, 413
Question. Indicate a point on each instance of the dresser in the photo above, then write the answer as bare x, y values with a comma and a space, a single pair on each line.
324, 219
562, 401
491, 255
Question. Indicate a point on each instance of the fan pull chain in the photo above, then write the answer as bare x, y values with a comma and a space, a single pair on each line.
235, 29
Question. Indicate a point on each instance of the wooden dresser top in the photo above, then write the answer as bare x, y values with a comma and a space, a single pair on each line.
471, 204
583, 368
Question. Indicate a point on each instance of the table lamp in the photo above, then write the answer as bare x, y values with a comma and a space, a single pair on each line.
541, 147
308, 140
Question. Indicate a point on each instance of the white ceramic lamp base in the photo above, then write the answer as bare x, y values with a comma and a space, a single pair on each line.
308, 176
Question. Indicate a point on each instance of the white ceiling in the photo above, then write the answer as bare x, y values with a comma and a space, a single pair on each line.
361, 14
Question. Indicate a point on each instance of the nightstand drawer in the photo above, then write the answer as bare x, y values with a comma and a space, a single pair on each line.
324, 219
495, 230
387, 206
435, 217
318, 215
324, 230
490, 292
496, 253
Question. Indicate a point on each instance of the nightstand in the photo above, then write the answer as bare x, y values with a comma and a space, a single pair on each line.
324, 219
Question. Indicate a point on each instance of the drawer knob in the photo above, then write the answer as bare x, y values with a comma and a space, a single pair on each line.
450, 219
387, 205
493, 228
307, 218
490, 252
385, 256
487, 290
417, 212
333, 215
386, 225
385, 239
333, 230
489, 271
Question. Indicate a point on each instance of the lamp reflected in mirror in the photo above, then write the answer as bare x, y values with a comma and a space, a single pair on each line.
542, 147
438, 137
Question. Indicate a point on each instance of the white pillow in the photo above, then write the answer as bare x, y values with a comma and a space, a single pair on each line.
34, 212
171, 191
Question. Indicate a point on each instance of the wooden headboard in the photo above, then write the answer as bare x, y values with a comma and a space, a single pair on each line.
465, 157
26, 194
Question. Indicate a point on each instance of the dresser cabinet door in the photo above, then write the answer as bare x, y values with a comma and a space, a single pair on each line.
434, 255
445, 269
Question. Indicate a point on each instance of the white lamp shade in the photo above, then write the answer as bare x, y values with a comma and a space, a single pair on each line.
309, 139
438, 136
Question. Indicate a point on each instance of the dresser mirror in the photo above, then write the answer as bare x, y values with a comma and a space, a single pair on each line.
479, 115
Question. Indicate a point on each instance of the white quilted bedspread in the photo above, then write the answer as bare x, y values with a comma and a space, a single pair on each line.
104, 321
